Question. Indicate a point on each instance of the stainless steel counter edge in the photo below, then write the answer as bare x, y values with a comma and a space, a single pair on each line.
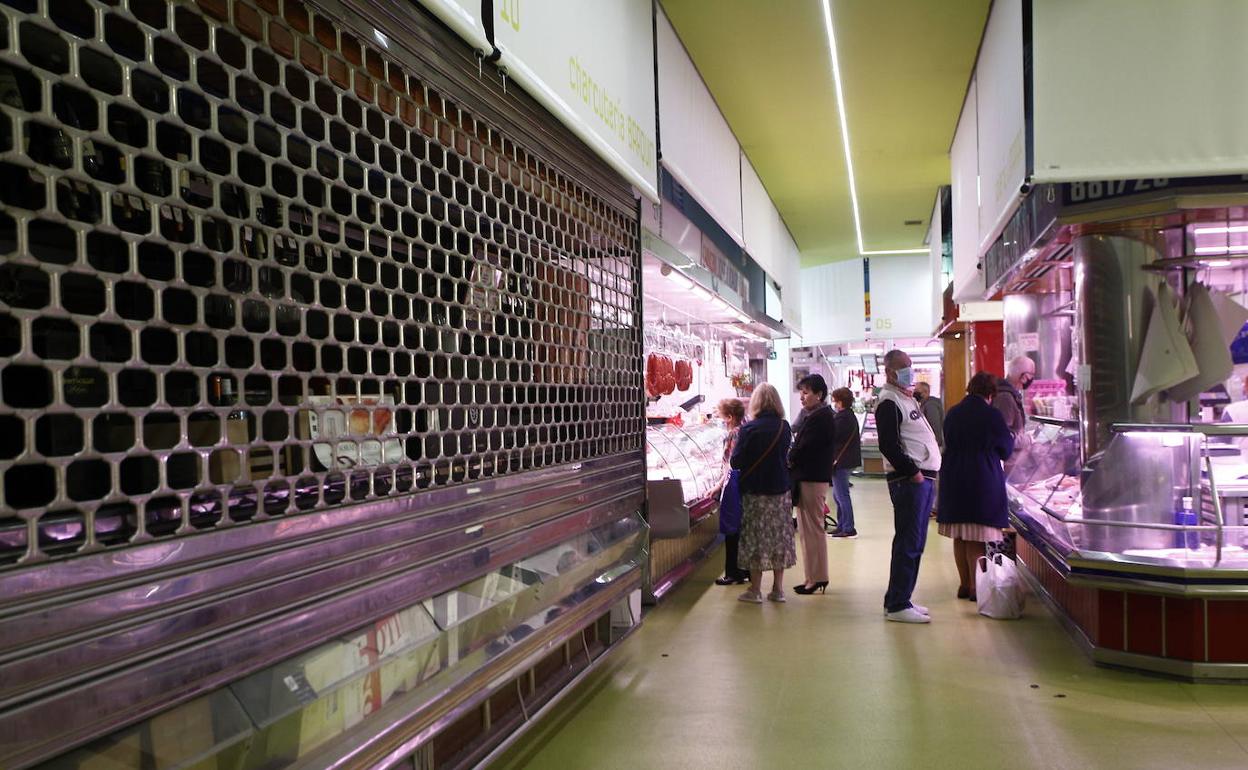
67, 716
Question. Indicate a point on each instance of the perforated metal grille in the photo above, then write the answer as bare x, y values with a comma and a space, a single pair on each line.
252, 267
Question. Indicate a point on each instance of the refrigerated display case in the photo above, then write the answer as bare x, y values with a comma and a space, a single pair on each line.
692, 455
872, 458
1128, 501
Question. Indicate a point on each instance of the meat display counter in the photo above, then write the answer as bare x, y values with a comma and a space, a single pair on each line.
872, 458
1141, 548
684, 472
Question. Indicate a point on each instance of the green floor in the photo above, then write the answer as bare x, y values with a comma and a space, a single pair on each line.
823, 681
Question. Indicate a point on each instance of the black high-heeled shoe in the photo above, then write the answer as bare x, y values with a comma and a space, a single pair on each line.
821, 586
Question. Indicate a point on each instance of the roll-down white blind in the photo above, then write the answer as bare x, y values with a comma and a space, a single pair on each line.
1134, 89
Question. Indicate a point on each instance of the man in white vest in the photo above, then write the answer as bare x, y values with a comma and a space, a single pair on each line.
912, 459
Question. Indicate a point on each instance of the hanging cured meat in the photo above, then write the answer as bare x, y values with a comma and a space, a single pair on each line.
684, 375
653, 376
667, 375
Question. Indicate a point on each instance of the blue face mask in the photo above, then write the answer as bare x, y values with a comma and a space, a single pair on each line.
905, 377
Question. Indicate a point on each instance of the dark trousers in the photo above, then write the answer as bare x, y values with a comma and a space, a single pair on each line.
911, 506
731, 571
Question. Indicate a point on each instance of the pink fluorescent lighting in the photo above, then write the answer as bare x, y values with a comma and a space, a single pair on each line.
679, 279
1216, 230
1222, 249
1216, 262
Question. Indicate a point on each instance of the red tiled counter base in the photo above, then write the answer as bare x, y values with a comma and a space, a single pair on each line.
1191, 630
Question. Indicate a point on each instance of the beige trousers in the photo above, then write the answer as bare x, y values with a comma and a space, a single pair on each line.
811, 496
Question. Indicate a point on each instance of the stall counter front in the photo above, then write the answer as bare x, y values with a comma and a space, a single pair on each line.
684, 473
1140, 581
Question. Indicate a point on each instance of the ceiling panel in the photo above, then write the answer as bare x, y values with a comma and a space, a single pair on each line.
905, 65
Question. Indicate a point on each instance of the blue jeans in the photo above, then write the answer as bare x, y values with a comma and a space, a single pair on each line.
844, 505
912, 504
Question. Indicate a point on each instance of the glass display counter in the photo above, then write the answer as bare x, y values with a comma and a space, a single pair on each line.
692, 455
293, 712
684, 473
872, 459
1141, 549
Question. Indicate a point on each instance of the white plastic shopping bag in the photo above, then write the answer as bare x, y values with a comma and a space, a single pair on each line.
999, 588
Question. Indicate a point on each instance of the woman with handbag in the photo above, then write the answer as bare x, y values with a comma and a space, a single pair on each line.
732, 412
766, 535
971, 507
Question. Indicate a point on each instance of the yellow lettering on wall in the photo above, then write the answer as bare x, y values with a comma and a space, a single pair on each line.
509, 12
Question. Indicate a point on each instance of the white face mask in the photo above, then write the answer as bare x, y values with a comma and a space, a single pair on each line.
905, 377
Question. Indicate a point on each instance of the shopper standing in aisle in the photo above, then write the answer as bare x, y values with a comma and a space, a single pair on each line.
934, 411
972, 507
847, 454
912, 459
766, 536
732, 412
810, 464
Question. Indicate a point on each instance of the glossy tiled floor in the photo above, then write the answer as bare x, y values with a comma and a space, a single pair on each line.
823, 681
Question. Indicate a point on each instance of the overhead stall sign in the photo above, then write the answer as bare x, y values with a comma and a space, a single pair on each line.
591, 63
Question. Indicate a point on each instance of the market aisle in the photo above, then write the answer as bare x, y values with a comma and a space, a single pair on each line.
824, 681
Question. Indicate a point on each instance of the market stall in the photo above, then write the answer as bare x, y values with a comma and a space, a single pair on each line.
698, 346
1130, 483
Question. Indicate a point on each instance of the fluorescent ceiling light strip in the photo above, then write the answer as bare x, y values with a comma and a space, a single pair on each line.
1213, 230
1222, 249
849, 159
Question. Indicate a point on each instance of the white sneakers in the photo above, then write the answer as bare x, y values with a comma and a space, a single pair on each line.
912, 614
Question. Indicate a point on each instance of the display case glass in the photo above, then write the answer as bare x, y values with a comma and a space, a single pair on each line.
1158, 494
693, 455
283, 714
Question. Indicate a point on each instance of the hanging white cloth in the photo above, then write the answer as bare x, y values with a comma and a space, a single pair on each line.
1167, 358
1210, 347
1231, 315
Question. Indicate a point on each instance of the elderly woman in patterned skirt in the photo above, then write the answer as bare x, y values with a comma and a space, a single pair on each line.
766, 532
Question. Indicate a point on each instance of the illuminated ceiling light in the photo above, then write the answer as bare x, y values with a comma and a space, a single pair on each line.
1215, 230
705, 295
1222, 249
1216, 262
849, 160
678, 278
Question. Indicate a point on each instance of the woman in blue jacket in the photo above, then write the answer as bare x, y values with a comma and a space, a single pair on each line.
971, 507
766, 534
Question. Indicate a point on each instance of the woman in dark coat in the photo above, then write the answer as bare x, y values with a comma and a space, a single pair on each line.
971, 507
766, 535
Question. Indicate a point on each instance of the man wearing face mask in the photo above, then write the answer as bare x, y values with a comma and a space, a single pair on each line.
1009, 400
912, 459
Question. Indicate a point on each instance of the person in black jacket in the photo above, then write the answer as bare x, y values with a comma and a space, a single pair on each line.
811, 465
972, 506
846, 455
766, 536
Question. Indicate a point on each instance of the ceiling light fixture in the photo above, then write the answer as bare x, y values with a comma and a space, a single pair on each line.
1216, 262
1222, 249
849, 160
679, 279
1225, 229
